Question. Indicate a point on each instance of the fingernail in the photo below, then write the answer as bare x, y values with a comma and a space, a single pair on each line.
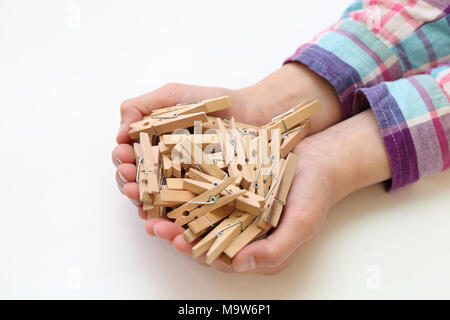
248, 264
121, 177
136, 202
120, 180
115, 159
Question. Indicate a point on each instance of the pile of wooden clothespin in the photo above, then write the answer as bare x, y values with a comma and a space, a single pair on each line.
225, 181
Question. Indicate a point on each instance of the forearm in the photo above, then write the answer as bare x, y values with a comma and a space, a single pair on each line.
356, 154
292, 84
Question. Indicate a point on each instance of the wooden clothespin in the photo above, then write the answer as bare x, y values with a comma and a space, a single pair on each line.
191, 237
176, 157
226, 235
249, 202
177, 196
264, 161
203, 245
210, 125
206, 106
245, 237
218, 159
175, 183
170, 140
238, 166
144, 195
167, 165
147, 205
163, 148
159, 124
291, 138
207, 207
210, 219
155, 212
142, 179
251, 152
293, 117
150, 172
274, 158
207, 201
199, 159
276, 198
225, 143
226, 261
158, 202
243, 127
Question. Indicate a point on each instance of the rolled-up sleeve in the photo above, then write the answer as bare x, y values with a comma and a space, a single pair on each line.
393, 57
378, 41
414, 118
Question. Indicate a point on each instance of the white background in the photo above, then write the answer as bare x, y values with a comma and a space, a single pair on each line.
67, 232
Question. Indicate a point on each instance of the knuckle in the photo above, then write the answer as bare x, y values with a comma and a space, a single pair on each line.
272, 256
170, 91
127, 104
307, 221
170, 87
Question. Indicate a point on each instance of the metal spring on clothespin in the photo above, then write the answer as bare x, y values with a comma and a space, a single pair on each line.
140, 159
283, 114
220, 232
273, 187
255, 181
211, 200
166, 117
187, 103
285, 135
272, 159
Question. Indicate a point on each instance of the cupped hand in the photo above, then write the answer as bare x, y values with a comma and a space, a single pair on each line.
245, 109
254, 105
332, 164
310, 198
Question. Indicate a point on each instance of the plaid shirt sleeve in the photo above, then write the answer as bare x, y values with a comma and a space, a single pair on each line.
414, 118
363, 55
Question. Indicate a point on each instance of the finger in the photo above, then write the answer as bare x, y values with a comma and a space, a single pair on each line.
133, 110
217, 264
273, 250
302, 217
127, 172
120, 187
167, 230
120, 180
180, 244
129, 114
142, 214
123, 153
268, 271
150, 224
131, 190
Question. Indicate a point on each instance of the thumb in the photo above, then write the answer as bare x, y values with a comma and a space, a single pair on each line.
303, 215
297, 227
135, 109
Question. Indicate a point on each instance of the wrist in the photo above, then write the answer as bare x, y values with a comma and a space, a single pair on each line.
353, 152
290, 85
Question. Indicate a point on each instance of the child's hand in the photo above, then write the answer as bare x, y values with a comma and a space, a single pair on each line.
309, 200
333, 164
243, 109
255, 105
